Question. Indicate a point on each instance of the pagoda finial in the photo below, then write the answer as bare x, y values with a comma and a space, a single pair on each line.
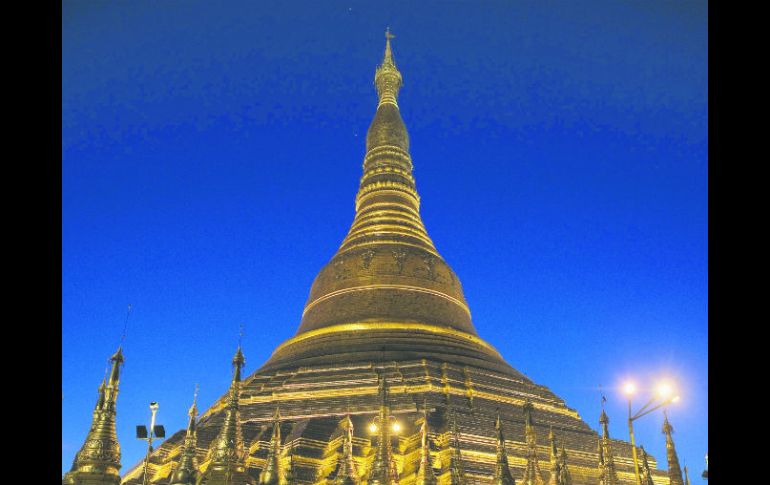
532, 473
564, 476
387, 77
608, 475
238, 362
227, 453
554, 478
271, 474
674, 472
425, 473
347, 473
502, 470
686, 476
98, 461
646, 472
382, 470
186, 472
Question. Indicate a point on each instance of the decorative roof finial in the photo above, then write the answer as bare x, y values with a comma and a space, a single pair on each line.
608, 475
227, 453
674, 472
425, 474
387, 78
532, 473
381, 471
502, 470
271, 474
646, 473
554, 478
187, 471
564, 476
347, 473
98, 460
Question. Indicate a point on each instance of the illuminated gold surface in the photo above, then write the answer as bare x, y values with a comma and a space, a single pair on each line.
98, 461
387, 305
387, 268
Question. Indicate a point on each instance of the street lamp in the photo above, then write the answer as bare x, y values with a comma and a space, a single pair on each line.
395, 426
155, 431
665, 394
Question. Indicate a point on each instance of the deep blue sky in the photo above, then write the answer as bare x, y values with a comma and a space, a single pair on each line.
211, 154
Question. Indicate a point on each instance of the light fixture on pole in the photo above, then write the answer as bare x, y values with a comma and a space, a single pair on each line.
155, 432
665, 394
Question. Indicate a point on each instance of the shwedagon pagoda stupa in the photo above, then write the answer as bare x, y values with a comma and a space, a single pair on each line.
386, 380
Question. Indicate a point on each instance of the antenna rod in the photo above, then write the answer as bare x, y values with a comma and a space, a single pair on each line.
125, 325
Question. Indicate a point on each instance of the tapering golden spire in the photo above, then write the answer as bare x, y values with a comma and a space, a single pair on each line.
387, 268
187, 471
347, 473
227, 453
425, 473
686, 476
564, 476
271, 474
98, 461
608, 475
387, 77
674, 472
382, 468
502, 470
555, 472
532, 473
646, 472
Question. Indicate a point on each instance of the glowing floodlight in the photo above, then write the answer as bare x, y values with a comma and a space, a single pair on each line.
629, 388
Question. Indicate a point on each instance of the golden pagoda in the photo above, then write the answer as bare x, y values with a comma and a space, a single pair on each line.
386, 342
98, 461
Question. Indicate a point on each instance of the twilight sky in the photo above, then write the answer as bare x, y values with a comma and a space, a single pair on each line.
211, 154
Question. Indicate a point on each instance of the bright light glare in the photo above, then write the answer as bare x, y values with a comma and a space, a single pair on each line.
629, 388
396, 427
373, 428
676, 399
665, 390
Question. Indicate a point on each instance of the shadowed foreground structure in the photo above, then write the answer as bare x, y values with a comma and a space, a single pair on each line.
386, 337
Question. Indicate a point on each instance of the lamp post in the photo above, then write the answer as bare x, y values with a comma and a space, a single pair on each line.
395, 426
154, 432
664, 394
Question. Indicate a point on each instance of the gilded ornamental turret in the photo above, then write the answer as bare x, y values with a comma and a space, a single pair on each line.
646, 472
383, 468
347, 473
271, 473
502, 470
607, 473
98, 461
425, 473
674, 471
186, 473
532, 473
227, 456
